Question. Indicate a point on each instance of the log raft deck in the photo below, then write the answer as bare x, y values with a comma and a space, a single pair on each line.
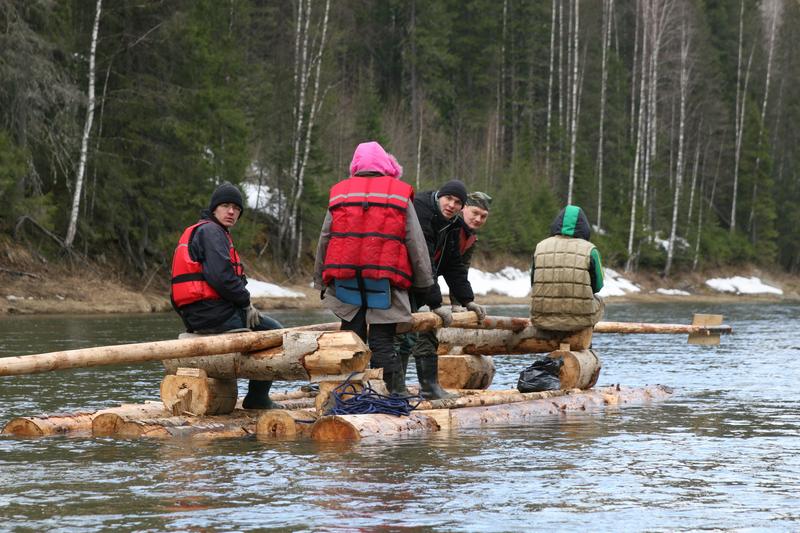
199, 392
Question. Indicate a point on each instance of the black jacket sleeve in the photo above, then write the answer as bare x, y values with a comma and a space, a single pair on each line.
209, 246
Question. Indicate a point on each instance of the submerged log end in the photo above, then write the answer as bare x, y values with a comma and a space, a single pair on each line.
283, 424
334, 429
357, 427
23, 427
106, 424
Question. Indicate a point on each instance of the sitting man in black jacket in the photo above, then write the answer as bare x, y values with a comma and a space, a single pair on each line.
208, 282
438, 215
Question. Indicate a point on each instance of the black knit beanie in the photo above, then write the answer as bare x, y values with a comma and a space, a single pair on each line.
454, 188
226, 192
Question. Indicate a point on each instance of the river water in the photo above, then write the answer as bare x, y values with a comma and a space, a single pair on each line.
723, 453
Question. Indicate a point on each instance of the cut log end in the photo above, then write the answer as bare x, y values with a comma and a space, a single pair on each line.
334, 429
23, 427
283, 424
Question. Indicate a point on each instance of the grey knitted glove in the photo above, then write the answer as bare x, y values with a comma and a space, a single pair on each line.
446, 315
253, 317
479, 310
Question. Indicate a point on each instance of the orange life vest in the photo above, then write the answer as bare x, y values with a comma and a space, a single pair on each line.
188, 284
368, 231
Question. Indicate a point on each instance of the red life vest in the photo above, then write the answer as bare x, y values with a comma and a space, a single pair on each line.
188, 284
368, 230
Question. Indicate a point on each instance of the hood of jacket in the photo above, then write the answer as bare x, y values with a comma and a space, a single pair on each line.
571, 221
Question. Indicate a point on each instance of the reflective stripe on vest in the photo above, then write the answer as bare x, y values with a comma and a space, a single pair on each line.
188, 283
368, 230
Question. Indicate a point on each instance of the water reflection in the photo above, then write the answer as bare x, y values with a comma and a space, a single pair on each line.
722, 453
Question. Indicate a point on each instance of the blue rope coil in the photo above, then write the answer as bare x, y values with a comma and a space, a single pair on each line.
369, 401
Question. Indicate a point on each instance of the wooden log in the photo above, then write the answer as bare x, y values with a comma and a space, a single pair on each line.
191, 392
61, 424
285, 424
236, 424
466, 371
305, 355
486, 398
253, 341
580, 369
494, 342
356, 427
550, 403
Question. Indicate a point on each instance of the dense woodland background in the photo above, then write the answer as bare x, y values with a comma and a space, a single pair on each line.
671, 122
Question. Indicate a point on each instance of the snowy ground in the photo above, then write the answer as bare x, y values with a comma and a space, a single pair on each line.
516, 283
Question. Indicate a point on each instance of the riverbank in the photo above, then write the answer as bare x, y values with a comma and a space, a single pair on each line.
28, 288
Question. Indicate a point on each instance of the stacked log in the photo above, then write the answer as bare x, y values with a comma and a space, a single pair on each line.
466, 371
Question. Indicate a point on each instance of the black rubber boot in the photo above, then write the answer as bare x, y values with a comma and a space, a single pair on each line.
428, 373
395, 383
258, 396
402, 346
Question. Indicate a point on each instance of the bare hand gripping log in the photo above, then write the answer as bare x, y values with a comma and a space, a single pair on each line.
259, 341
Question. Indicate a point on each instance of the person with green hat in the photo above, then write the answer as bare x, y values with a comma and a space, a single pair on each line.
209, 288
566, 276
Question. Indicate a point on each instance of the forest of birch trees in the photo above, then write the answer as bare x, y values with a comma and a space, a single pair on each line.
671, 122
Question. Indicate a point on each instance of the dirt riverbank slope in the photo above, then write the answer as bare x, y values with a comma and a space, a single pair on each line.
30, 285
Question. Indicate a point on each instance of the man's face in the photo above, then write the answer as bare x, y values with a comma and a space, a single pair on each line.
474, 216
449, 205
227, 214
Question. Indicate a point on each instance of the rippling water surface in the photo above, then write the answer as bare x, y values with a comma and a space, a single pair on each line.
723, 453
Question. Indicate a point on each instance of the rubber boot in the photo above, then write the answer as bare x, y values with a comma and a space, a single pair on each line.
402, 346
395, 383
258, 396
428, 373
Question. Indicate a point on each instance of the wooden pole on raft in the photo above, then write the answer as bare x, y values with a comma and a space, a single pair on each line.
253, 341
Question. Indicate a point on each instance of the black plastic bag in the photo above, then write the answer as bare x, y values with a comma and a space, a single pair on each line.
541, 375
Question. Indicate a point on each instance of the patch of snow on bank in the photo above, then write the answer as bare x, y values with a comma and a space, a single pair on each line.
672, 292
516, 283
742, 285
615, 285
262, 289
510, 281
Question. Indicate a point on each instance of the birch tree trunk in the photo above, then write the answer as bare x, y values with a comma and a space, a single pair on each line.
550, 89
773, 11
308, 62
87, 128
608, 9
639, 144
574, 105
684, 89
741, 104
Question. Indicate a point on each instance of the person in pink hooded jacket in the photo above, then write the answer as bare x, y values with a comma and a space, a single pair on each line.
371, 253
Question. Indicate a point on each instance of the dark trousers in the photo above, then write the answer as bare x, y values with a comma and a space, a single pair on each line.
380, 339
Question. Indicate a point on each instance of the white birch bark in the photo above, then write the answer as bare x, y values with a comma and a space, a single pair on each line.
550, 89
87, 128
314, 107
608, 9
574, 105
684, 90
639, 146
773, 9
741, 104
